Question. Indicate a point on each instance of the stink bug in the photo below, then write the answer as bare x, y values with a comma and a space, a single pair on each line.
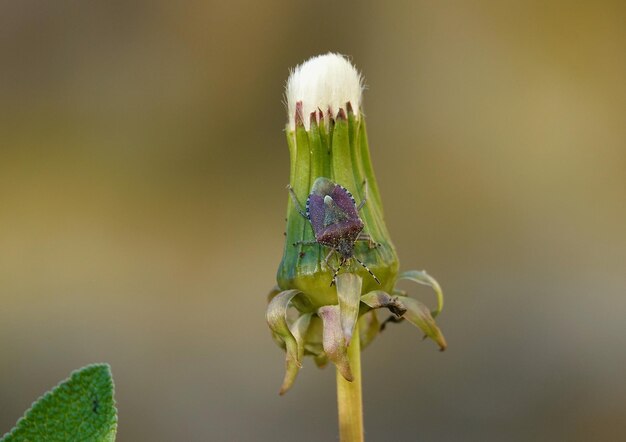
334, 217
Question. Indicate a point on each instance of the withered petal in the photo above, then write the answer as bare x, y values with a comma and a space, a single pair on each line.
333, 341
419, 315
349, 294
421, 277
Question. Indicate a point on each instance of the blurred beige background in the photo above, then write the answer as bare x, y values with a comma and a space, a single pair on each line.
142, 174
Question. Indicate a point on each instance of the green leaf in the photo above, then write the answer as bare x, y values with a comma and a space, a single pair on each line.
421, 277
81, 408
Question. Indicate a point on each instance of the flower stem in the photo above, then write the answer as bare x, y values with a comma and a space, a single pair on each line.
349, 400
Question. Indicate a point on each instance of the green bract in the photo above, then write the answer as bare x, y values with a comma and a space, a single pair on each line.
307, 314
338, 151
325, 317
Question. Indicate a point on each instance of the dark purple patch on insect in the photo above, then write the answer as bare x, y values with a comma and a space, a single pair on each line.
334, 217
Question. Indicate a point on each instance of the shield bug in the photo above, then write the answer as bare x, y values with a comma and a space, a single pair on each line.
334, 217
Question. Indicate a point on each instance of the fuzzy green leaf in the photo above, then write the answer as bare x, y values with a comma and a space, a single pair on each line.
80, 408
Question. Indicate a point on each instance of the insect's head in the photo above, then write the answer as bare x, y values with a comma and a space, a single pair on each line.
345, 248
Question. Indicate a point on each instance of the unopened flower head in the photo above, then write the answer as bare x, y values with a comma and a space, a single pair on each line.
339, 265
325, 84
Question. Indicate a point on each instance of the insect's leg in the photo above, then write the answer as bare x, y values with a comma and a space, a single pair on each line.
362, 203
332, 282
367, 268
393, 319
294, 198
365, 237
305, 243
327, 258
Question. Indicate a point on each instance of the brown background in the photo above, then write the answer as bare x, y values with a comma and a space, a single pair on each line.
142, 174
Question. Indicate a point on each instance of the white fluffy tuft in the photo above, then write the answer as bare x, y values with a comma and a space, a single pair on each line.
324, 82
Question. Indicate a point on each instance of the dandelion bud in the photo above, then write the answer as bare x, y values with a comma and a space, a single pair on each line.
327, 138
337, 250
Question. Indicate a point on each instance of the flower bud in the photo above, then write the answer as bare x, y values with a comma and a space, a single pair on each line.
327, 138
339, 264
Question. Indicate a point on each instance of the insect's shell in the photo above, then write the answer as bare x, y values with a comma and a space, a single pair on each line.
333, 213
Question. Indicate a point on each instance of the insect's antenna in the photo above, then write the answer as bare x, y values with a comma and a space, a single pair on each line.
367, 268
332, 282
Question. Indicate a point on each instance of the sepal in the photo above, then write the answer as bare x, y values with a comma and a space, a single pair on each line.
349, 294
334, 342
298, 330
276, 317
419, 315
421, 277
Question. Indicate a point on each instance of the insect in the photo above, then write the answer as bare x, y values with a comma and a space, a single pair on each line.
334, 217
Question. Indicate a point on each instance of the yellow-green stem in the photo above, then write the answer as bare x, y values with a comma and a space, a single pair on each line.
349, 401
